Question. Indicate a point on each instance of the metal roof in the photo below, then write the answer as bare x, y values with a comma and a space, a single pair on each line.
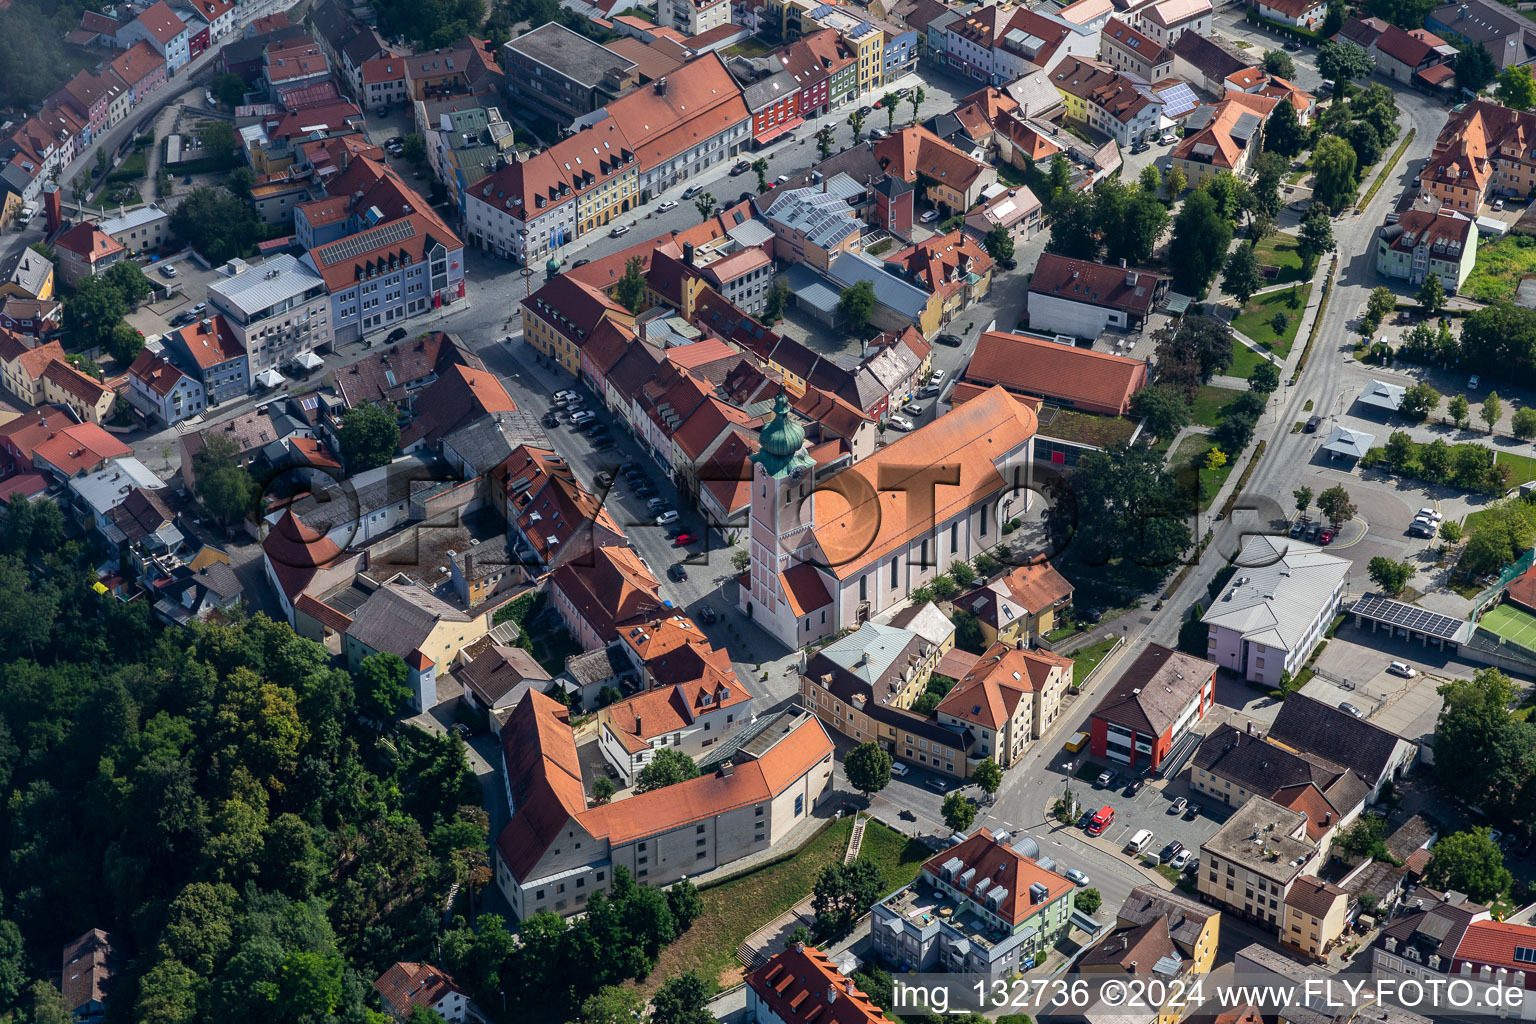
265, 284
1277, 600
1353, 443
1383, 396
890, 290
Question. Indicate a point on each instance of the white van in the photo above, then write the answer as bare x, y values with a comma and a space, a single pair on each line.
1140, 841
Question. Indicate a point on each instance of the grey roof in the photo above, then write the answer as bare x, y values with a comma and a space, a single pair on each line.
1154, 689
810, 288
890, 291
1480, 22
265, 284
1353, 443
1435, 931
927, 621
132, 219
1260, 767
368, 492
1276, 602
110, 486
1186, 917
766, 91
487, 441
27, 270
823, 217
869, 651
1210, 57
1276, 854
569, 53
1383, 396
219, 578
1245, 125
1310, 725
398, 617
597, 666
751, 232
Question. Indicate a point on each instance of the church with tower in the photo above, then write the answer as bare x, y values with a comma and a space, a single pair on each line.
828, 553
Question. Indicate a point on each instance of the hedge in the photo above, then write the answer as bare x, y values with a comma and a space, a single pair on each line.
1305, 35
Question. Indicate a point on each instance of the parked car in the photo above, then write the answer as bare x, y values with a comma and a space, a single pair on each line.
1172, 850
669, 516
1313, 422
929, 216
900, 423
395, 335
865, 110
1498, 204
677, 572
1314, 532
708, 615
618, 229
914, 408
604, 479
740, 167
1421, 528
1292, 45
1346, 706
937, 377
928, 390
1474, 382
682, 540
580, 263
655, 505
1402, 668
692, 190
1297, 529
878, 133
670, 204
550, 421
898, 769
952, 340
1429, 513
1135, 786
1178, 805
582, 418
1192, 812
1076, 877
167, 270
1326, 537
565, 396
1141, 146
461, 731
1106, 779
1180, 859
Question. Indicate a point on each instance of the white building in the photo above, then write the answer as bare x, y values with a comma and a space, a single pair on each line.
160, 385
686, 717
164, 31
1163, 21
693, 17
98, 493
1269, 618
278, 311
143, 230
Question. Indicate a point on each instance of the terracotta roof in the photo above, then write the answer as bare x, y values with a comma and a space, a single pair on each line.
1307, 798
137, 63
802, 986
611, 589
209, 342
1295, 8
407, 985
1031, 143
1154, 689
161, 22
1410, 48
804, 589
347, 260
323, 613
1098, 381
573, 309
971, 437
1313, 896
955, 663
50, 434
645, 716
89, 965
296, 553
1442, 233
1494, 943
705, 424
157, 374
461, 395
383, 69
1135, 949
87, 240
1099, 84
70, 380
1172, 13
915, 150
1214, 144
1128, 39
728, 475
314, 451
941, 264
298, 62
30, 360
990, 693
1005, 867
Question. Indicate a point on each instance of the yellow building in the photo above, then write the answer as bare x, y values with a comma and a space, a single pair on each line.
1007, 701
85, 396
1315, 916
1021, 604
1158, 935
560, 317
27, 275
597, 206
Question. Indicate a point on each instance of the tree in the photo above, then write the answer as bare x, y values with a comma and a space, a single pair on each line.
1420, 400
1088, 901
1459, 409
1493, 410
1450, 531
916, 97
890, 101
1215, 458
382, 686
1380, 302
216, 223
228, 89
129, 281
868, 768
1269, 172
667, 767
1523, 423
1516, 88
223, 486
1303, 497
93, 313
1265, 378
1365, 140
1278, 62
705, 204
1058, 182
1469, 862
1278, 322
855, 305
125, 342
1192, 352
999, 243
987, 775
760, 168
1150, 180
1367, 837
685, 903
241, 181
1119, 502
1340, 62
1333, 167
414, 149
1074, 232
1474, 67
1173, 183
959, 812
630, 290
1431, 297
368, 437
1316, 238
684, 999
1335, 504
1162, 409
1389, 575
1241, 277
856, 122
1228, 192
13, 963
843, 893
778, 295
825, 136
1201, 235
613, 1004
45, 1005
220, 139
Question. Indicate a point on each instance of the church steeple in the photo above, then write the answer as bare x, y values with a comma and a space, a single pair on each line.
781, 443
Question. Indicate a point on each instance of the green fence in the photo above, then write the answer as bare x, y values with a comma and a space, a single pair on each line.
1511, 572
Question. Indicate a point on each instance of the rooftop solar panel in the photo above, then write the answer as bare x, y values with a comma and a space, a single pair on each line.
1407, 616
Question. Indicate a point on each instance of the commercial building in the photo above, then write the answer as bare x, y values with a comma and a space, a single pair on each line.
1152, 707
1252, 861
982, 907
1083, 299
564, 75
465, 145
1269, 618
1233, 765
277, 312
1126, 49
556, 851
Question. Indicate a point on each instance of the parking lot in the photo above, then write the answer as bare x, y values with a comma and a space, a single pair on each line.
189, 287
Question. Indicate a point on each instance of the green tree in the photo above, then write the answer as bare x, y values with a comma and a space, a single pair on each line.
962, 573
241, 181
382, 685
1333, 20
125, 342
667, 767
1474, 67
868, 768
959, 812
1380, 302
1315, 238
1431, 297
93, 313
1367, 837
856, 122
1335, 504
168, 994
45, 1004
223, 486
1228, 192
843, 893
1391, 576
685, 903
1516, 88
129, 281
999, 243
228, 90
1399, 450
220, 140
1333, 168
630, 291
1265, 378
1173, 183
414, 149
1269, 171
683, 999
1074, 231
916, 97
705, 205
1201, 235
613, 1004
855, 305
1162, 409
1142, 223
1365, 140
1241, 277
602, 791
890, 101
1469, 862
1450, 531
1088, 901
760, 168
1058, 182
1278, 62
1523, 423
778, 295
1460, 410
1420, 401
824, 139
1150, 180
1341, 62
13, 963
216, 223
1303, 497
1492, 411
987, 775
368, 437
1127, 505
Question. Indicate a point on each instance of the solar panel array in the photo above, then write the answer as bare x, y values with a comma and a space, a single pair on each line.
1178, 99
367, 241
1407, 616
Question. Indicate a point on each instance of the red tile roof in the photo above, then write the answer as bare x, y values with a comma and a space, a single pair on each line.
1088, 380
137, 63
802, 986
407, 985
209, 342
76, 447
32, 360
71, 381
611, 589
162, 23
88, 241
643, 717
1003, 866
296, 553
1003, 678
157, 374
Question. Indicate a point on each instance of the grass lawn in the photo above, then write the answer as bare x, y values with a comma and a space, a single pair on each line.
1188, 464
1211, 400
1085, 427
1280, 251
898, 857
1500, 265
748, 48
1523, 465
1244, 361
1255, 319
1086, 659
1475, 519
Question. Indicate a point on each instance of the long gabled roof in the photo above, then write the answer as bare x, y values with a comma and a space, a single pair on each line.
1312, 726
1033, 366
1276, 602
1154, 689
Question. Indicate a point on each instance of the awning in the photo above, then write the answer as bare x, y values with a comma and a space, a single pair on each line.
310, 361
269, 379
1176, 303
777, 130
1086, 923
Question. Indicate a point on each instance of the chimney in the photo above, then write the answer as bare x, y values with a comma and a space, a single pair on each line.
1250, 728
688, 254
638, 732
1122, 263
726, 770
469, 566
1131, 277
831, 994
53, 207
661, 86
